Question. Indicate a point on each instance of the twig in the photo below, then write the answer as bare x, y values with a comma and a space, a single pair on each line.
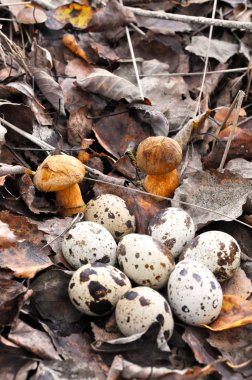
239, 69
118, 182
192, 19
240, 97
18, 3
197, 108
138, 30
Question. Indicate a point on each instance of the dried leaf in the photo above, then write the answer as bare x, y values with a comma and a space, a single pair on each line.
12, 297
78, 15
110, 17
235, 312
239, 284
224, 193
152, 116
159, 26
26, 257
7, 237
104, 83
50, 89
240, 166
220, 50
104, 52
78, 126
33, 340
221, 114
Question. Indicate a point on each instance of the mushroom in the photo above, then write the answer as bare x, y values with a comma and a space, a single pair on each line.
61, 174
158, 157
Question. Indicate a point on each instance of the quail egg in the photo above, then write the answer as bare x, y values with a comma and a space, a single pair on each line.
88, 242
139, 307
217, 250
145, 260
94, 289
112, 212
194, 294
173, 227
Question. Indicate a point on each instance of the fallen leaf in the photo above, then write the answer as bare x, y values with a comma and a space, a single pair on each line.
224, 193
235, 312
50, 89
78, 15
152, 116
240, 166
221, 113
159, 26
234, 345
33, 340
220, 50
78, 126
104, 83
239, 284
26, 257
12, 298
116, 132
110, 17
7, 237
104, 52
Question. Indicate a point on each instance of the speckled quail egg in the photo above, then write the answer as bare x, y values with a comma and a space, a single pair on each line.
88, 242
112, 212
194, 294
94, 289
173, 227
145, 260
217, 250
139, 307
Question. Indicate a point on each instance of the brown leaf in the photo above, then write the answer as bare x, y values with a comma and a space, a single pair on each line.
13, 296
235, 312
104, 52
152, 116
77, 68
115, 133
104, 83
110, 17
26, 258
240, 166
239, 284
7, 237
49, 88
221, 114
224, 193
35, 203
159, 26
33, 340
78, 126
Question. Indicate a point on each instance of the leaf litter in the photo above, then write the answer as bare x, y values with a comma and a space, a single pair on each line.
91, 107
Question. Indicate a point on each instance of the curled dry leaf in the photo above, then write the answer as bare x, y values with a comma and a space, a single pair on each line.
235, 312
224, 193
50, 89
152, 116
104, 83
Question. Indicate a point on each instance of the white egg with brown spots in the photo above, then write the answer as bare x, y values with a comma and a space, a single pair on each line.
95, 289
194, 294
217, 250
173, 227
139, 307
145, 260
88, 242
112, 213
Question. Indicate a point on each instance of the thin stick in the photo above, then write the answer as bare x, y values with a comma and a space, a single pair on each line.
197, 108
174, 200
10, 4
192, 19
240, 97
188, 74
118, 182
138, 30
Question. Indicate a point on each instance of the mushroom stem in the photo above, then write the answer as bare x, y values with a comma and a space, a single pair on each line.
70, 200
163, 185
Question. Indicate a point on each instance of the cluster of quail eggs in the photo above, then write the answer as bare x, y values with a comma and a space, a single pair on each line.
107, 239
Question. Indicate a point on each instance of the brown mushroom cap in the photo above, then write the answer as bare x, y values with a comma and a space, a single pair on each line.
158, 155
58, 172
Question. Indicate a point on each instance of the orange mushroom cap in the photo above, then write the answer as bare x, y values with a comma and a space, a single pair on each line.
58, 172
158, 155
